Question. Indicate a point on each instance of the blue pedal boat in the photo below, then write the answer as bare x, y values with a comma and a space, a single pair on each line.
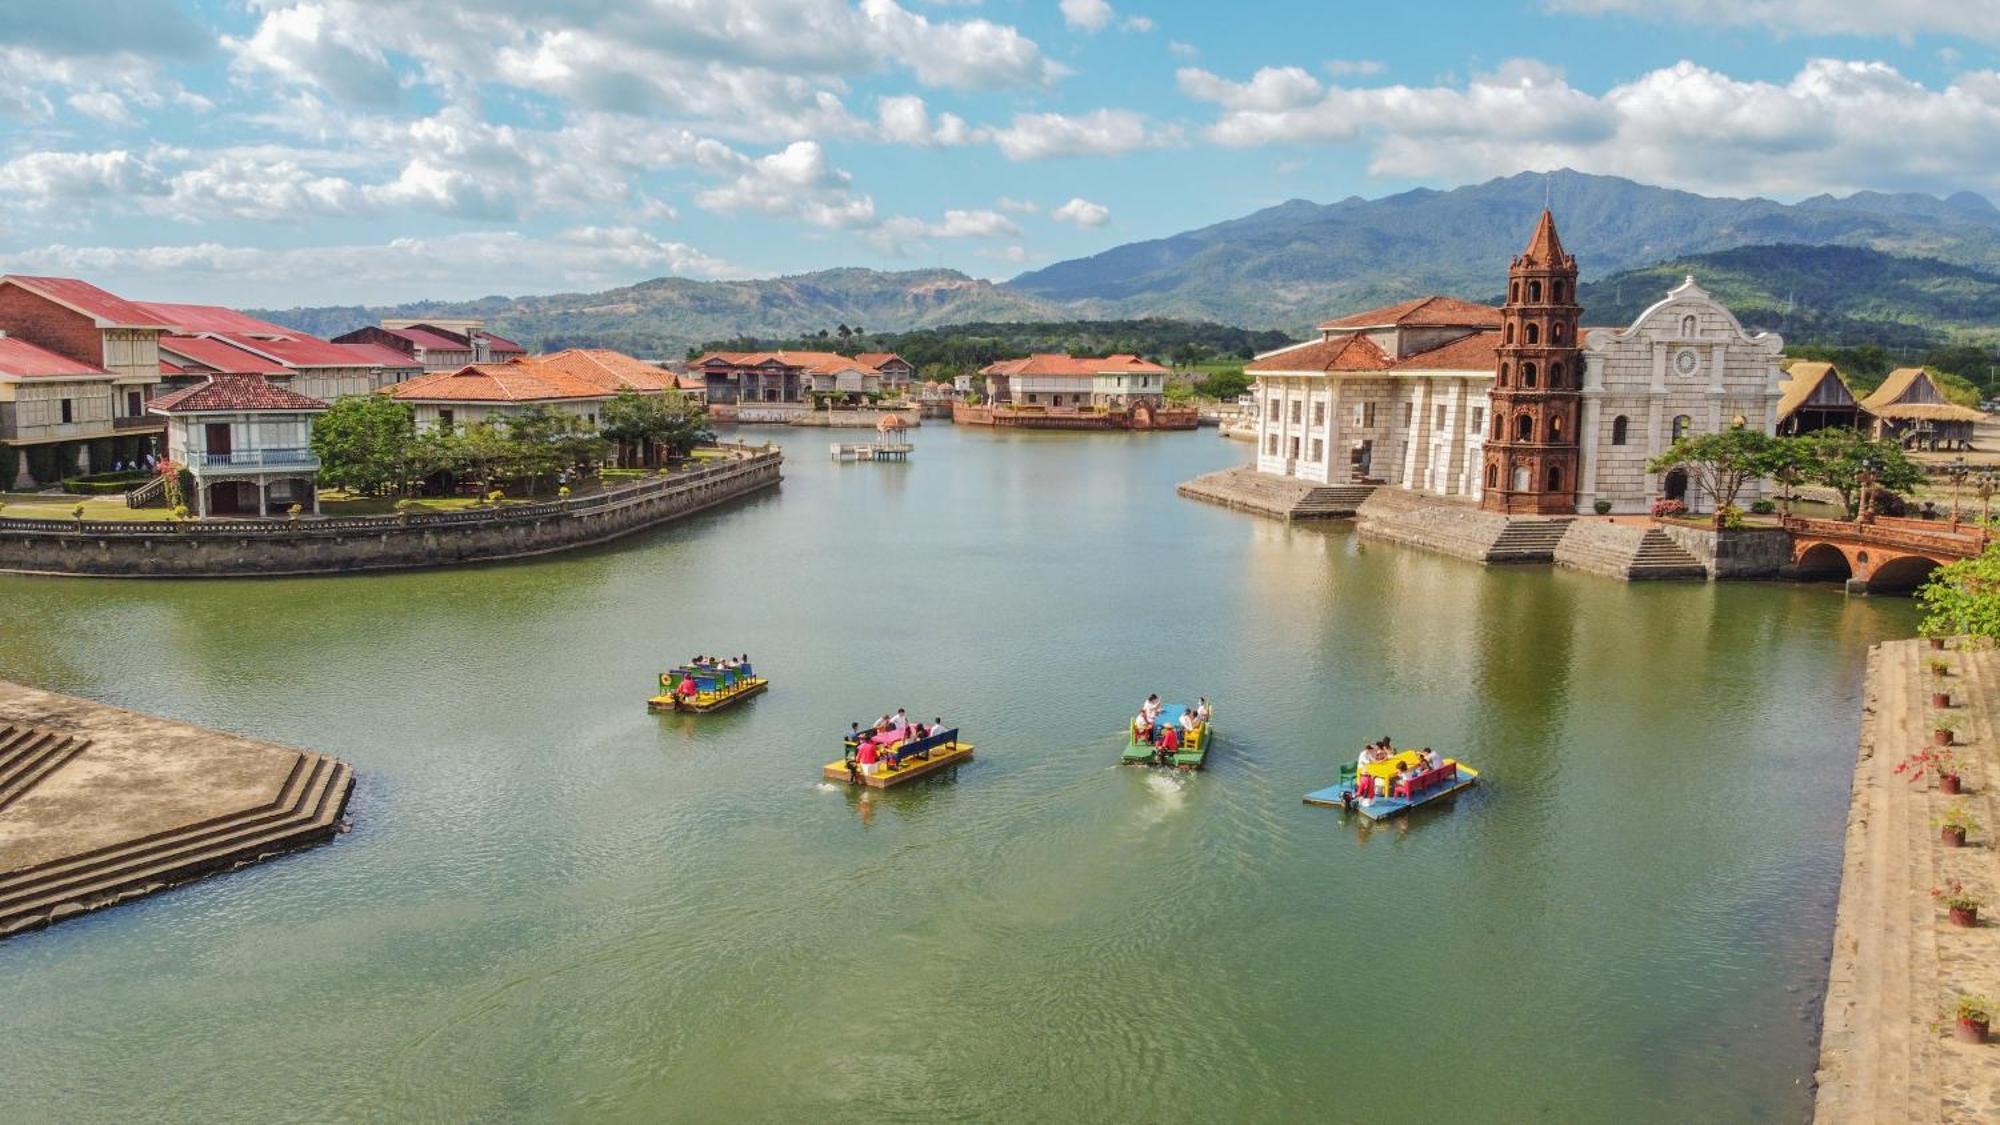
1376, 798
714, 688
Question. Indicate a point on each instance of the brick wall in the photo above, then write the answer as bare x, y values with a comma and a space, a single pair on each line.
46, 324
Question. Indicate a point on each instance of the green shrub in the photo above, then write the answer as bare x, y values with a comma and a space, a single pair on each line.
103, 484
1602, 507
1763, 507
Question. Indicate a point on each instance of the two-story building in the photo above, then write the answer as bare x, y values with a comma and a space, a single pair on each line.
292, 360
493, 392
438, 344
246, 442
791, 377
90, 416
1075, 382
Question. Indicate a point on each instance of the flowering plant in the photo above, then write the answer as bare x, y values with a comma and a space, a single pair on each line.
1955, 897
1670, 508
1940, 760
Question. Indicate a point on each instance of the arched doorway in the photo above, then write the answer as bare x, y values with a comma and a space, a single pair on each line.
1674, 486
1822, 562
1901, 576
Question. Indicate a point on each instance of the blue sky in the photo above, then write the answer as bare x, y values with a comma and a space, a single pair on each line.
280, 152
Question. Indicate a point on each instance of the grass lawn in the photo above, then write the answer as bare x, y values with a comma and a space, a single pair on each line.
38, 506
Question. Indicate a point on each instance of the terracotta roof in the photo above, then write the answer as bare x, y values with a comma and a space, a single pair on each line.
502, 344
1077, 366
1545, 248
811, 362
1476, 352
496, 383
197, 320
1424, 312
299, 351
877, 359
691, 382
23, 360
610, 370
228, 393
381, 355
219, 355
88, 299
430, 338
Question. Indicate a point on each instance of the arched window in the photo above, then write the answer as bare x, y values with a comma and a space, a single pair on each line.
1528, 375
1504, 372
1532, 333
1492, 475
1510, 332
1555, 478
1517, 293
1524, 428
1689, 326
1556, 293
1499, 427
1619, 426
1555, 376
1556, 427
1534, 292
1556, 332
1682, 424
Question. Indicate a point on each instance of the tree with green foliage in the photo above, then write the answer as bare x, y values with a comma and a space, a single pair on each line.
543, 441
1720, 464
1973, 364
1223, 386
1962, 599
1837, 456
362, 442
671, 423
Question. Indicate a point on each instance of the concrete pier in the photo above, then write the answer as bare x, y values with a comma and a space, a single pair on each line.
100, 805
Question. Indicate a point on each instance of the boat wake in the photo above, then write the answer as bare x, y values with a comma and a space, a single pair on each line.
1168, 793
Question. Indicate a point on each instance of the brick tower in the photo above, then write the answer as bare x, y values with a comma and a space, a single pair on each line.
1532, 454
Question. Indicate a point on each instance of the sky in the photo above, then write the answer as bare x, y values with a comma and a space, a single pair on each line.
273, 153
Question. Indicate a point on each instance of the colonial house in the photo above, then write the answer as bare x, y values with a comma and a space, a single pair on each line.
247, 443
293, 360
1815, 396
790, 377
1516, 407
850, 383
492, 392
1910, 407
1074, 382
438, 344
86, 410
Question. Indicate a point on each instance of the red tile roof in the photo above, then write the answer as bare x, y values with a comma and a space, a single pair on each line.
877, 359
1474, 353
299, 351
381, 355
1424, 312
232, 393
1544, 247
88, 299
1079, 366
217, 354
812, 362
430, 339
602, 367
497, 383
197, 320
500, 344
23, 360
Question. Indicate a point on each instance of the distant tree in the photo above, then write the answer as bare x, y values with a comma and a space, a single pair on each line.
1971, 363
1962, 599
1836, 457
1223, 386
363, 444
670, 421
1721, 464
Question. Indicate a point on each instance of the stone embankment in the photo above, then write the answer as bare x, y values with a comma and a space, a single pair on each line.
1283, 498
100, 806
1632, 552
1458, 528
250, 548
1887, 1052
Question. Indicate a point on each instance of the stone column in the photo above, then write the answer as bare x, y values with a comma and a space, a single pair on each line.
1414, 433
1336, 457
263, 497
23, 479
201, 498
83, 458
1587, 438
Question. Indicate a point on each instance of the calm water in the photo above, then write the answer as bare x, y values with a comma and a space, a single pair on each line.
555, 905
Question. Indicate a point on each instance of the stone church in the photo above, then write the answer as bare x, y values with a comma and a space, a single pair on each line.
1518, 408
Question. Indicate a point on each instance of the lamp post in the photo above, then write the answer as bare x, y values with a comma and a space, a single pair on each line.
1985, 489
1957, 472
1865, 513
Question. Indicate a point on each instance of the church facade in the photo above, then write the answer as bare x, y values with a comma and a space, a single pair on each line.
1517, 408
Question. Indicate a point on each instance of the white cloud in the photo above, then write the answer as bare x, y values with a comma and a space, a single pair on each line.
51, 180
1138, 23
1181, 50
797, 182
904, 119
1088, 15
1082, 212
108, 88
955, 224
1014, 206
459, 265
1834, 126
1270, 89
330, 46
1101, 132
1974, 19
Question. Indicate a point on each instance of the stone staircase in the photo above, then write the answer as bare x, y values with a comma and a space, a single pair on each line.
30, 753
1660, 557
1632, 552
1528, 541
305, 811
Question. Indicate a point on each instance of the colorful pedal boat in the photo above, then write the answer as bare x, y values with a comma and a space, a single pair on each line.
715, 688
914, 759
1431, 785
1192, 755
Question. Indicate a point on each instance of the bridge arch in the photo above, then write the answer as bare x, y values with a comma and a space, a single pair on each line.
1901, 574
1822, 562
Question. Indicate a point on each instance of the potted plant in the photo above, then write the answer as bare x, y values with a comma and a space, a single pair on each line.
1944, 763
1940, 669
1958, 902
1943, 728
1936, 640
1953, 824
1974, 1014
1602, 507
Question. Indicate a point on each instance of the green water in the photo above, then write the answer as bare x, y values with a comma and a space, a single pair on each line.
556, 906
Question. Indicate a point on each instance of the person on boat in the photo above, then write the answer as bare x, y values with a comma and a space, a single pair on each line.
937, 726
869, 759
1150, 709
901, 721
1190, 722
1201, 710
1142, 728
855, 734
686, 688
1428, 758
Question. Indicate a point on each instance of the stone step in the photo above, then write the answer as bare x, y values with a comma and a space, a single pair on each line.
298, 783
26, 770
311, 818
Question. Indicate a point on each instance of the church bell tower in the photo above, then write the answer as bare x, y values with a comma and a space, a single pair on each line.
1532, 451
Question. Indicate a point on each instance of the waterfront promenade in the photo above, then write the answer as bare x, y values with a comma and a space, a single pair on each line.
1886, 1052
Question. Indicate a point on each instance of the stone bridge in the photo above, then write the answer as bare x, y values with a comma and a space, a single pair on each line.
1881, 556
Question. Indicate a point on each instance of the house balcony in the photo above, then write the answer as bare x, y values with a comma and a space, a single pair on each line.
299, 458
141, 422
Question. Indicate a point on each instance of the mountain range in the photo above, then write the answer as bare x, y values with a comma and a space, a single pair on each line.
1289, 265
